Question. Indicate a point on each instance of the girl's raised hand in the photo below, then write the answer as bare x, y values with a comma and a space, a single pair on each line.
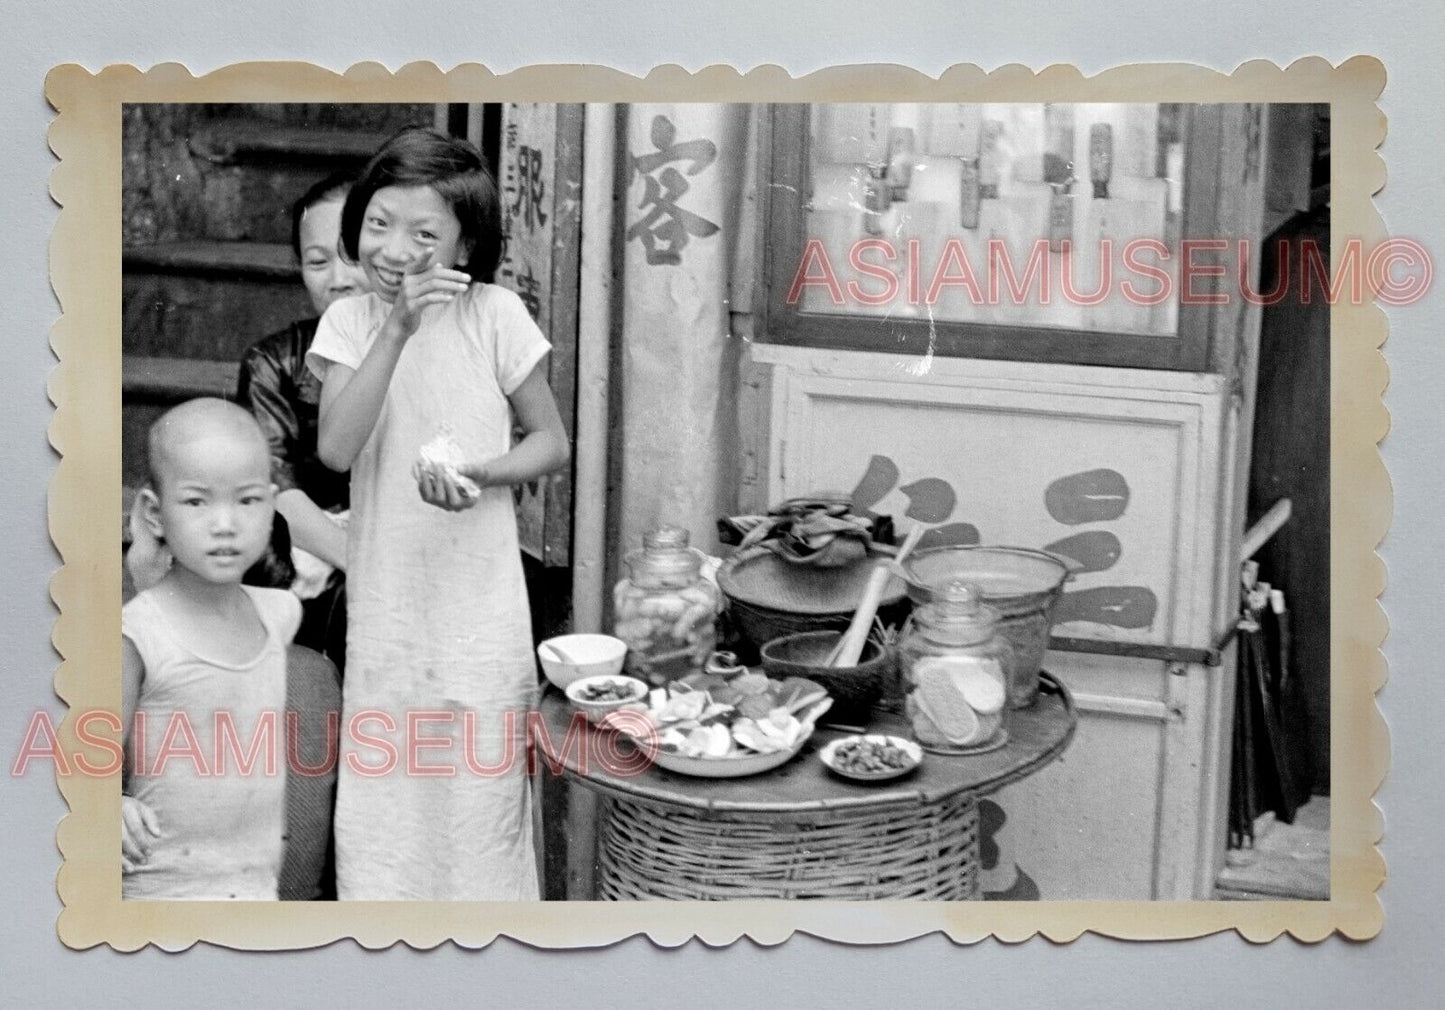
435, 285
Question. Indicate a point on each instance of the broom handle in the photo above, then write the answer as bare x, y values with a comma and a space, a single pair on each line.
850, 646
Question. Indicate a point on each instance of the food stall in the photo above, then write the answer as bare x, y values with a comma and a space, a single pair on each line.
801, 830
794, 345
915, 312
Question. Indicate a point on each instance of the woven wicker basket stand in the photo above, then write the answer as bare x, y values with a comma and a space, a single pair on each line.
800, 831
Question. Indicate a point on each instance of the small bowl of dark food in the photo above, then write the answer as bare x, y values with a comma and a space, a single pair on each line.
598, 697
871, 757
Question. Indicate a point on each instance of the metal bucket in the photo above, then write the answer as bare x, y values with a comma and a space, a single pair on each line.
1021, 584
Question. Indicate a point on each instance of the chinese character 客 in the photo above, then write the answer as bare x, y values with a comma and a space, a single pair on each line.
665, 228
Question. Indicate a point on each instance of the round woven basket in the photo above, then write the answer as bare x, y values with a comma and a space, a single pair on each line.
929, 851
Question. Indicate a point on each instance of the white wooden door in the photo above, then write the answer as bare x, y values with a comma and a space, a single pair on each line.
1033, 455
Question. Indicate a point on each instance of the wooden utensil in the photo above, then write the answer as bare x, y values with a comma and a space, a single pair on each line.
850, 646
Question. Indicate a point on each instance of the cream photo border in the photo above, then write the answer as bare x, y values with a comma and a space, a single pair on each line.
85, 386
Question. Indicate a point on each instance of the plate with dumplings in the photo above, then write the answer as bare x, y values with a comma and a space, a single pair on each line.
711, 725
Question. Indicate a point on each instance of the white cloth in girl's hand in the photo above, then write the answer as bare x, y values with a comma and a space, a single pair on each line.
443, 456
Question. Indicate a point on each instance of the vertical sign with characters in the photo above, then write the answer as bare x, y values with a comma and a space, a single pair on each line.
540, 176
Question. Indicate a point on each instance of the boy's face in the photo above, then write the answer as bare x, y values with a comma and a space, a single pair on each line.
215, 504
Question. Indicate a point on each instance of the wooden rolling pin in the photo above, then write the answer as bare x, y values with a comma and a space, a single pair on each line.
850, 646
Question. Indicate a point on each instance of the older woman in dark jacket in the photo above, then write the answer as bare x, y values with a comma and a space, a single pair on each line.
276, 386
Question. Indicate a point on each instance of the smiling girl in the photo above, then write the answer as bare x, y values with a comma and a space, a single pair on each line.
438, 622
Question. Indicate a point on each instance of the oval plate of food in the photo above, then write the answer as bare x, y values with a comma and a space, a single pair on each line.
732, 766
871, 757
729, 727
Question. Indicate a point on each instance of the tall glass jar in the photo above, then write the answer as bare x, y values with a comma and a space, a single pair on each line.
666, 610
954, 665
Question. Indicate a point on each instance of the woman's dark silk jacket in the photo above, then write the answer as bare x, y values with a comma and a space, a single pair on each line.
283, 395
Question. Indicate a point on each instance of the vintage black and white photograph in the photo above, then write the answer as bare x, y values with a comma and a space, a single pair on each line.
711, 501
880, 510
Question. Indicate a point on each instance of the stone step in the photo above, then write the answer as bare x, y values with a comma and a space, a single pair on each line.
260, 260
232, 172
152, 385
1286, 862
203, 299
236, 141
177, 378
208, 314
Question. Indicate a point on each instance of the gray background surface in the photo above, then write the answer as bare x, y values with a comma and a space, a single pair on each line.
1401, 968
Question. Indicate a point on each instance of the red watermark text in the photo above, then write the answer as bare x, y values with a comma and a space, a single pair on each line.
876, 272
372, 743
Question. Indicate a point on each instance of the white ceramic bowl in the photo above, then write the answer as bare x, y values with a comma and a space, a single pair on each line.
590, 655
595, 710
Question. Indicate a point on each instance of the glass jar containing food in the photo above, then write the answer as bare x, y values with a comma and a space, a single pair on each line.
666, 609
954, 667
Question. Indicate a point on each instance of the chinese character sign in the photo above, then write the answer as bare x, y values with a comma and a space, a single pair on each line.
526, 161
529, 189
666, 224
685, 165
539, 172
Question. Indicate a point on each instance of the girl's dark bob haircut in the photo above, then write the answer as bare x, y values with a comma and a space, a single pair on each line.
421, 156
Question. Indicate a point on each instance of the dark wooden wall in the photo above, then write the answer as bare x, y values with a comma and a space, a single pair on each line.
206, 195
1291, 460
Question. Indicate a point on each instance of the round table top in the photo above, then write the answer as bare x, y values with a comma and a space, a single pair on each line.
1036, 736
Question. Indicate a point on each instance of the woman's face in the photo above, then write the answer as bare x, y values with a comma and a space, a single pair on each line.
326, 275
405, 231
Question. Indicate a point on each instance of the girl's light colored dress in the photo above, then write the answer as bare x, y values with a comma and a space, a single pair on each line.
439, 638
221, 829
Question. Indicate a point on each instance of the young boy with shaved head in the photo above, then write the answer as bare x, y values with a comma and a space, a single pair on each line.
203, 664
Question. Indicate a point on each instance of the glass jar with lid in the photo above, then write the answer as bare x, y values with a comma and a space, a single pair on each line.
954, 665
665, 609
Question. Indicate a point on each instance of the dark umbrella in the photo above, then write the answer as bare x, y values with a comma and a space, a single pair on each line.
1260, 779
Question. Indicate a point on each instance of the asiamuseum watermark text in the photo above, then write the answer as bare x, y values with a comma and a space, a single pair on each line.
372, 743
875, 272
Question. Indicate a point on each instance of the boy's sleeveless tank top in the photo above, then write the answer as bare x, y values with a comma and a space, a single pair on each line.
201, 722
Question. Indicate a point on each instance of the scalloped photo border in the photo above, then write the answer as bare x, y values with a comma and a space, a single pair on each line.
85, 386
